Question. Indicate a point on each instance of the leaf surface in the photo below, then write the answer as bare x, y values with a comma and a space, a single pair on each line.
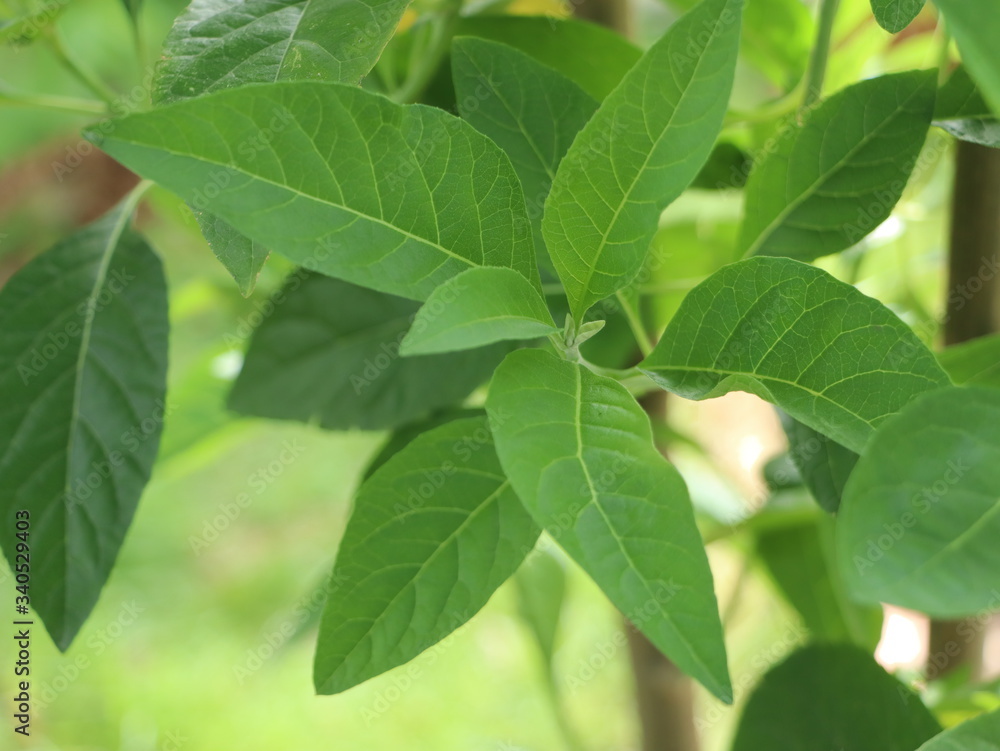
836, 176
643, 147
921, 513
434, 532
83, 359
339, 180
896, 15
832, 697
478, 307
329, 353
975, 24
529, 110
824, 464
832, 358
978, 734
579, 452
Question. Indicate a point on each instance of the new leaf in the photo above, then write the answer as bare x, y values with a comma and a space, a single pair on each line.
643, 147
579, 451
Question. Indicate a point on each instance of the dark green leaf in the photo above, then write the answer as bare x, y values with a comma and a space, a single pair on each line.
824, 464
836, 175
329, 352
433, 533
241, 256
402, 436
477, 307
579, 451
838, 361
643, 147
221, 44
979, 734
340, 180
896, 15
919, 523
827, 697
529, 110
83, 359
591, 56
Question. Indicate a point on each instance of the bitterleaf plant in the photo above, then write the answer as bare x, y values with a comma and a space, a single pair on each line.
474, 218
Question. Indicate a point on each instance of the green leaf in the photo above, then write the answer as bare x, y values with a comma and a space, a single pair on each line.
328, 352
434, 532
838, 361
919, 522
221, 44
591, 56
824, 464
979, 734
579, 452
643, 147
529, 110
976, 362
402, 436
896, 15
241, 256
83, 359
799, 559
477, 307
836, 176
541, 589
962, 111
26, 28
339, 180
975, 24
827, 697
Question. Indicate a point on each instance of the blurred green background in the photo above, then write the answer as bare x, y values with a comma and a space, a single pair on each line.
203, 638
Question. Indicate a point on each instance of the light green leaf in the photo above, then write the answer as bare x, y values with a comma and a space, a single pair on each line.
339, 180
26, 28
541, 589
962, 111
975, 24
824, 464
593, 57
328, 352
434, 532
83, 360
642, 148
920, 519
529, 110
579, 452
241, 256
979, 734
220, 44
478, 307
800, 560
896, 15
827, 697
836, 176
838, 361
976, 362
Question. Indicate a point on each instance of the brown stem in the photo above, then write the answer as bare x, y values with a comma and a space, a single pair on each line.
971, 311
665, 696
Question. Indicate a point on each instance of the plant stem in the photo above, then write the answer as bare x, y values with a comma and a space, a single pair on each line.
432, 53
635, 323
56, 103
83, 75
820, 53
